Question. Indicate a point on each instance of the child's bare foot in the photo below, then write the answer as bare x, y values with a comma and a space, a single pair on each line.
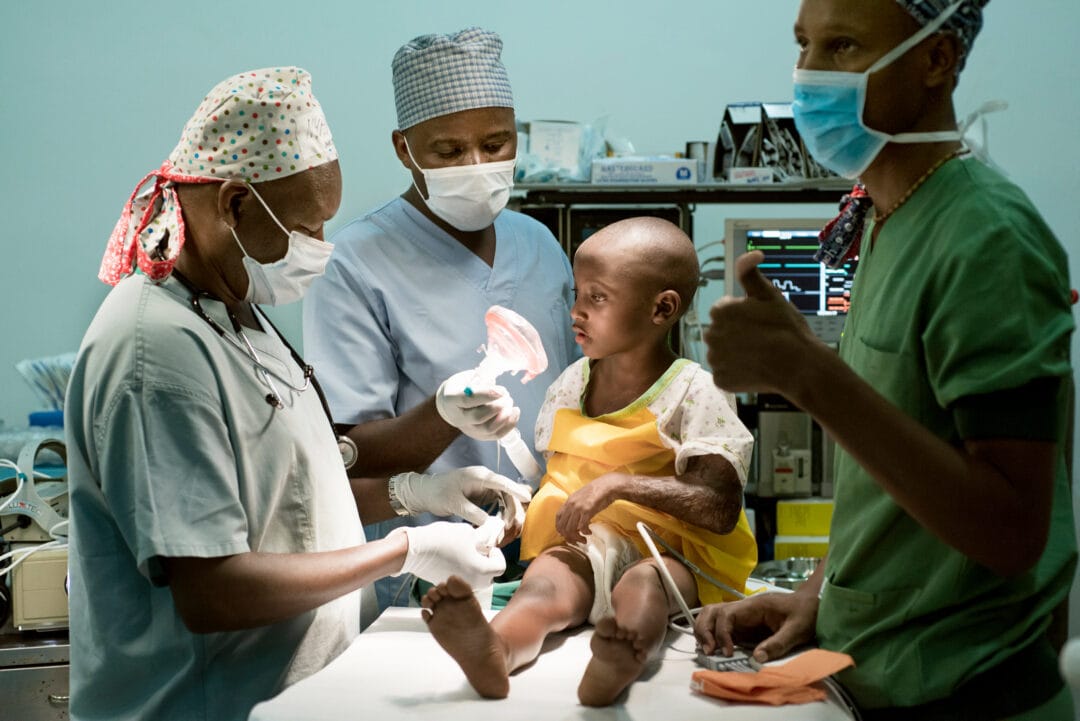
456, 621
618, 657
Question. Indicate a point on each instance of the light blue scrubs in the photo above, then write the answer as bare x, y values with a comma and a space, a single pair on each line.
173, 451
401, 308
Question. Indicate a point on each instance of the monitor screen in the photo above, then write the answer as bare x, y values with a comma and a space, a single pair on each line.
822, 294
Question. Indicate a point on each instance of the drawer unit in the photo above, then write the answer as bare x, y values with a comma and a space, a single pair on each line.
34, 676
34, 693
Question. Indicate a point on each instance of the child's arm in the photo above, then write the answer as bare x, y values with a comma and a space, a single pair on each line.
707, 494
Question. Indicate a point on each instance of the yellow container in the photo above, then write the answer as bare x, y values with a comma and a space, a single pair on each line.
804, 516
800, 547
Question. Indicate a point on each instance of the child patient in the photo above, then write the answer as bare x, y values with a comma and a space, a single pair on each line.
631, 433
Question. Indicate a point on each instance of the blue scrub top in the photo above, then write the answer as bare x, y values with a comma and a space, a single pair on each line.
401, 308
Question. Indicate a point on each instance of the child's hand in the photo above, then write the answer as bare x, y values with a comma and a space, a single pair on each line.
572, 520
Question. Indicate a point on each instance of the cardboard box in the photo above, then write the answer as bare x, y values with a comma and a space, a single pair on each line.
557, 143
644, 170
800, 546
749, 176
804, 516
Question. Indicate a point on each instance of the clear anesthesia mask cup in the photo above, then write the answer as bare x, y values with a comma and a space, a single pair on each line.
513, 345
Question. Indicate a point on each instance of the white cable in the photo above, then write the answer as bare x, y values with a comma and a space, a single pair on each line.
646, 536
25, 553
5, 463
20, 480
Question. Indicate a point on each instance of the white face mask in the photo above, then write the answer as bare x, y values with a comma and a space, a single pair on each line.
285, 280
468, 197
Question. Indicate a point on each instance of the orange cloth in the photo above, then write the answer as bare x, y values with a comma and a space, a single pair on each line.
796, 681
586, 448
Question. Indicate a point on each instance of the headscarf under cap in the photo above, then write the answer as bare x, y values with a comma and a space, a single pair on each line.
965, 22
256, 126
437, 75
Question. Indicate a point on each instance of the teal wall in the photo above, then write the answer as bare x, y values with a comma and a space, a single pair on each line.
94, 94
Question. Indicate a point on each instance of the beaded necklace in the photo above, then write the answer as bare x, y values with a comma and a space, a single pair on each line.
880, 218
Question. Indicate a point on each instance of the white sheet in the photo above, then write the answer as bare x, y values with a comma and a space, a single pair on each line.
396, 669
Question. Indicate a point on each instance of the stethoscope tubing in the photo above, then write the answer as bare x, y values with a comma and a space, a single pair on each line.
345, 444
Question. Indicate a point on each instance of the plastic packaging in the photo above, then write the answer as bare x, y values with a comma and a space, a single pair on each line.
48, 377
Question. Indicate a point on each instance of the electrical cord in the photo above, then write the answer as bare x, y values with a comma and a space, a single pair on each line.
20, 479
25, 552
5, 604
691, 320
687, 614
59, 537
20, 522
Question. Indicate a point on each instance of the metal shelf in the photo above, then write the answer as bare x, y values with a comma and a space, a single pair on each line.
573, 210
815, 191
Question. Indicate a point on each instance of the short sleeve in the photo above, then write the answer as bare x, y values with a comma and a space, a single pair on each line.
699, 419
564, 392
168, 481
1000, 314
347, 341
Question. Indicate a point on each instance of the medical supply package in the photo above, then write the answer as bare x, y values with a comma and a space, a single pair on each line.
644, 170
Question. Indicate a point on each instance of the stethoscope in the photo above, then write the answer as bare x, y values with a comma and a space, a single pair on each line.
346, 445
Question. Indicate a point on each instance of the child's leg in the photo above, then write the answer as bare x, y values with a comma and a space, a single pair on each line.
621, 645
555, 593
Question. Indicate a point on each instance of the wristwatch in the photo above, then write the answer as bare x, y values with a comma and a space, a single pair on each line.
391, 491
348, 450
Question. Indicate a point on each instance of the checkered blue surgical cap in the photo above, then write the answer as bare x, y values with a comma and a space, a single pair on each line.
966, 22
437, 75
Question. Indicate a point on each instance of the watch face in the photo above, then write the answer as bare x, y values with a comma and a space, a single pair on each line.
348, 450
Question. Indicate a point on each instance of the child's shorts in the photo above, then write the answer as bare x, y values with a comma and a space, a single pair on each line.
610, 554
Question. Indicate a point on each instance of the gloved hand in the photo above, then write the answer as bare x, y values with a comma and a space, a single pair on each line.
486, 413
461, 492
439, 550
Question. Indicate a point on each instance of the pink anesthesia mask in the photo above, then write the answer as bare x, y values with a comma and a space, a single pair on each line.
513, 345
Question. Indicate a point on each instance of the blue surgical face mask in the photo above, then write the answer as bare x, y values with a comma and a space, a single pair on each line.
829, 107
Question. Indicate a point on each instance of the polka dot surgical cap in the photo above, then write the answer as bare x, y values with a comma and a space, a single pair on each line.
259, 125
256, 126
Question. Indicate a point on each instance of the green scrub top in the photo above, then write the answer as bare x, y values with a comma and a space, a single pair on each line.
964, 293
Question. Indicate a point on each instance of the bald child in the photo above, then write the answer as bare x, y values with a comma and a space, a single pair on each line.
631, 432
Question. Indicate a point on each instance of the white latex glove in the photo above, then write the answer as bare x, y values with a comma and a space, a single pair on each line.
443, 549
461, 492
486, 413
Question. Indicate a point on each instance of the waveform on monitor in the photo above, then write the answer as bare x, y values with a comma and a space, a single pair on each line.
787, 286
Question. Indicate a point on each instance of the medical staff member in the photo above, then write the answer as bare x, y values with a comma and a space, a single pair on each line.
397, 322
952, 541
216, 548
